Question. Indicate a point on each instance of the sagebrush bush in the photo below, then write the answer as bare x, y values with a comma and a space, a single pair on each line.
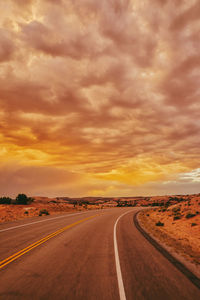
43, 212
177, 217
190, 215
176, 209
159, 223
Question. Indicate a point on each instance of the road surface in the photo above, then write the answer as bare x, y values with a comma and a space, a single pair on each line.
74, 257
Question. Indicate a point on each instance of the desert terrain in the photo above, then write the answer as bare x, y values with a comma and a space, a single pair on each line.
173, 220
177, 226
41, 206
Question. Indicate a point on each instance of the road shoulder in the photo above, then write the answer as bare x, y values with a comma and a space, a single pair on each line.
189, 269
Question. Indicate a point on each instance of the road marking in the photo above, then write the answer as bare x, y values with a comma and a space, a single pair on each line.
122, 294
68, 215
16, 255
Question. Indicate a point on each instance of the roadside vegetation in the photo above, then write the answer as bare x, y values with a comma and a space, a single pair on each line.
21, 199
177, 226
5, 200
43, 212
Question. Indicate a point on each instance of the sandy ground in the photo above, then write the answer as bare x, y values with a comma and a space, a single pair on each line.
18, 212
181, 229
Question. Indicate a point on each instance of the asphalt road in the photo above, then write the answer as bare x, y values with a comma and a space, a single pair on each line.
74, 257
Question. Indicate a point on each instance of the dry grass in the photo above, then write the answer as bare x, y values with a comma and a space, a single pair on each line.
18, 212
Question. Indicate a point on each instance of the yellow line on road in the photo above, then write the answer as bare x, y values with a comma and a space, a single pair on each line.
36, 244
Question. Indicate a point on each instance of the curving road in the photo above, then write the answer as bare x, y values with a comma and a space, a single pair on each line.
90, 256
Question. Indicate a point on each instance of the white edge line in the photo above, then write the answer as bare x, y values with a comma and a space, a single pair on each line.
122, 294
23, 225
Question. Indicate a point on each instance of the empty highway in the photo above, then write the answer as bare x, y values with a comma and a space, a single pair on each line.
91, 255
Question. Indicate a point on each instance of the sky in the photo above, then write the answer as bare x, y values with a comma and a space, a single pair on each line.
99, 98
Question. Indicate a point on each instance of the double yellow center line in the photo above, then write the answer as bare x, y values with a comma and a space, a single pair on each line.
16, 255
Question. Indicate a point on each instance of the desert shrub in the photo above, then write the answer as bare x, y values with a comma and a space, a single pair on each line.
197, 212
193, 224
159, 223
190, 215
176, 209
43, 212
26, 212
23, 199
147, 215
177, 217
5, 200
164, 209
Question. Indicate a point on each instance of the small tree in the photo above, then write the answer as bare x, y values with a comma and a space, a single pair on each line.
23, 199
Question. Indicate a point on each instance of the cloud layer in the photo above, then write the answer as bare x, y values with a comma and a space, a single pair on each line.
99, 97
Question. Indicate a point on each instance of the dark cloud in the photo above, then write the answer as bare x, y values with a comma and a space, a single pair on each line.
187, 17
38, 178
7, 46
74, 44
